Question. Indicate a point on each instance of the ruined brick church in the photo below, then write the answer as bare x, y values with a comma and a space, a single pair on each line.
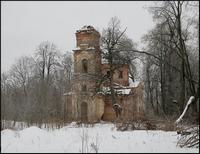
89, 102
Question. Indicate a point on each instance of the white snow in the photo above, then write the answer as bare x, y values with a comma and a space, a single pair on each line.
69, 93
77, 48
186, 107
106, 90
124, 91
91, 48
133, 84
86, 27
104, 135
104, 61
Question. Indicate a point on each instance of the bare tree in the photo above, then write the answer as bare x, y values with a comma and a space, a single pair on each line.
172, 13
114, 45
168, 45
33, 88
47, 57
21, 72
4, 95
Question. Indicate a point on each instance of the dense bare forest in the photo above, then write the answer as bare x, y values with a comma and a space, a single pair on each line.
32, 90
171, 71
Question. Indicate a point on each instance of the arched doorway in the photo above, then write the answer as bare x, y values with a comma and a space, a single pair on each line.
84, 112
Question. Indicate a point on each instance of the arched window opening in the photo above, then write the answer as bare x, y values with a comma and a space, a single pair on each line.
85, 65
120, 74
108, 73
84, 88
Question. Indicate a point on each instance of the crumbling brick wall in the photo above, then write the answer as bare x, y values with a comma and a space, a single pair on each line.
133, 108
125, 74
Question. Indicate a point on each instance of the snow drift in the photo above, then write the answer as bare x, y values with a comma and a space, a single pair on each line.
104, 137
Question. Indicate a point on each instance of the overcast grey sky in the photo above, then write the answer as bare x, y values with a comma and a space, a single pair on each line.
24, 25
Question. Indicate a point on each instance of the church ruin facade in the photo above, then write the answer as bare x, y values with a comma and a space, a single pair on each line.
90, 102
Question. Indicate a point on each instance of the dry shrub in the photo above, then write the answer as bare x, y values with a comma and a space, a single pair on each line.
85, 124
139, 118
150, 126
189, 137
125, 126
169, 126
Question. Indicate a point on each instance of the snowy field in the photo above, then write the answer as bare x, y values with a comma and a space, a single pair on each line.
100, 138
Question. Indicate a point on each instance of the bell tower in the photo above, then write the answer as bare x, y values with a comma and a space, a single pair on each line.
87, 56
87, 67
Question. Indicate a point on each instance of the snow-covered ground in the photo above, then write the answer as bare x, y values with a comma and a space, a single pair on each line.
102, 137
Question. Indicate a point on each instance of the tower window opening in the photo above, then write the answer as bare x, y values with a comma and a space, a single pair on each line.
120, 74
85, 66
84, 88
108, 73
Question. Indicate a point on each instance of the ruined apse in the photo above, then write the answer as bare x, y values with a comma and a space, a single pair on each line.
89, 102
